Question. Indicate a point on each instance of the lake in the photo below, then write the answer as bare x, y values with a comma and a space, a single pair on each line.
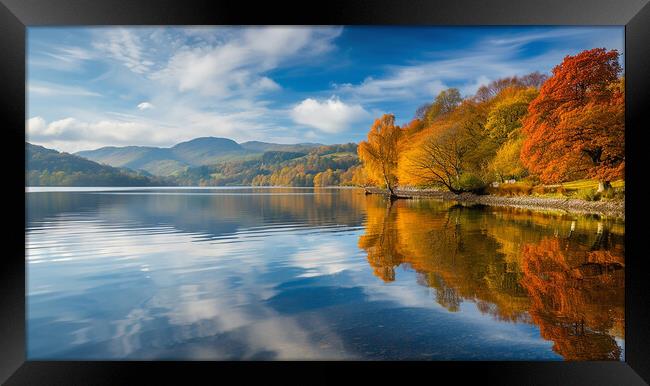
315, 273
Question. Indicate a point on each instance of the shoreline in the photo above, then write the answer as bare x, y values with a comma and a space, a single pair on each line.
614, 209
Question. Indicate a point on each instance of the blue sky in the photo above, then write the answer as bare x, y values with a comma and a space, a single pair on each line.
114, 86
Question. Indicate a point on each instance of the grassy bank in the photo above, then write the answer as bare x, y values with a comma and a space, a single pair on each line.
582, 189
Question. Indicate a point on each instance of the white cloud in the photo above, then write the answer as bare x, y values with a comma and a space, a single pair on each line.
71, 134
50, 89
325, 259
124, 45
331, 115
36, 124
145, 106
176, 124
62, 58
238, 64
71, 54
518, 39
265, 83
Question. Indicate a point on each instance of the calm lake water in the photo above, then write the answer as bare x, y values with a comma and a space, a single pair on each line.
290, 273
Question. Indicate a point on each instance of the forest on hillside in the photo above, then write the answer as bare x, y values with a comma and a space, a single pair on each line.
47, 167
322, 166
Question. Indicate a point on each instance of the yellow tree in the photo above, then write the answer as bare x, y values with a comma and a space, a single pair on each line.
381, 152
506, 163
503, 126
448, 149
445, 103
506, 115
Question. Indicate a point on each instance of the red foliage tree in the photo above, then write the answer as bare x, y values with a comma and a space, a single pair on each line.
575, 128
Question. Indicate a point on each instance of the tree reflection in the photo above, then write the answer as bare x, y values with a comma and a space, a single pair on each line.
381, 241
563, 275
449, 249
577, 297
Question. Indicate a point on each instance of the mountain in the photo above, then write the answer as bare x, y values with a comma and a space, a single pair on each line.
261, 147
206, 150
47, 167
320, 166
196, 152
134, 157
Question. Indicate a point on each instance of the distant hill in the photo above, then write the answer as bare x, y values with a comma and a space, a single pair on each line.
257, 146
47, 167
226, 163
321, 166
196, 152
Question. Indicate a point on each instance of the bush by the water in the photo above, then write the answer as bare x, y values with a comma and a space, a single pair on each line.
471, 182
516, 189
544, 190
588, 195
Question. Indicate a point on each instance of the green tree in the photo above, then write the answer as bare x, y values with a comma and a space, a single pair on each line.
444, 104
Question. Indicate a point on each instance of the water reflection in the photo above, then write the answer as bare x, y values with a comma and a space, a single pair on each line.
563, 275
315, 274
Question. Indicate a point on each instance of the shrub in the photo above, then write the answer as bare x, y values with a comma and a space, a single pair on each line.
540, 189
471, 182
614, 194
543, 189
517, 189
588, 195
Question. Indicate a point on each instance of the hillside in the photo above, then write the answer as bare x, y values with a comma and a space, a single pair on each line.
196, 152
227, 163
257, 146
47, 167
321, 166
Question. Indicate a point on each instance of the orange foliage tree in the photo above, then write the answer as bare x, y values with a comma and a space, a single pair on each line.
575, 126
381, 152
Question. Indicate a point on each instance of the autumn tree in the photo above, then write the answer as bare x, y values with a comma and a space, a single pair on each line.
503, 127
506, 164
449, 151
381, 151
446, 101
505, 117
575, 127
327, 178
492, 89
412, 128
355, 176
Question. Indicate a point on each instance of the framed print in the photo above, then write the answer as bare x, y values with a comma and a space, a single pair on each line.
224, 189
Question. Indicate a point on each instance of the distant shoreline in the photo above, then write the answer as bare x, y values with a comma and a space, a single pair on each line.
614, 209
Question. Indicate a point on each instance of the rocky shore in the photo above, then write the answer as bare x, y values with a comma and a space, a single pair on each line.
604, 208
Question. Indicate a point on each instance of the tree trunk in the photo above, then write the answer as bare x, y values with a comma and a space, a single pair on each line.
389, 188
455, 191
603, 185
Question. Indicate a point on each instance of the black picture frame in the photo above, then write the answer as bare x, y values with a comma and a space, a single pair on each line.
16, 15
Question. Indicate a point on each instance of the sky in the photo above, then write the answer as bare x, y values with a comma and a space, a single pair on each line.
89, 87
